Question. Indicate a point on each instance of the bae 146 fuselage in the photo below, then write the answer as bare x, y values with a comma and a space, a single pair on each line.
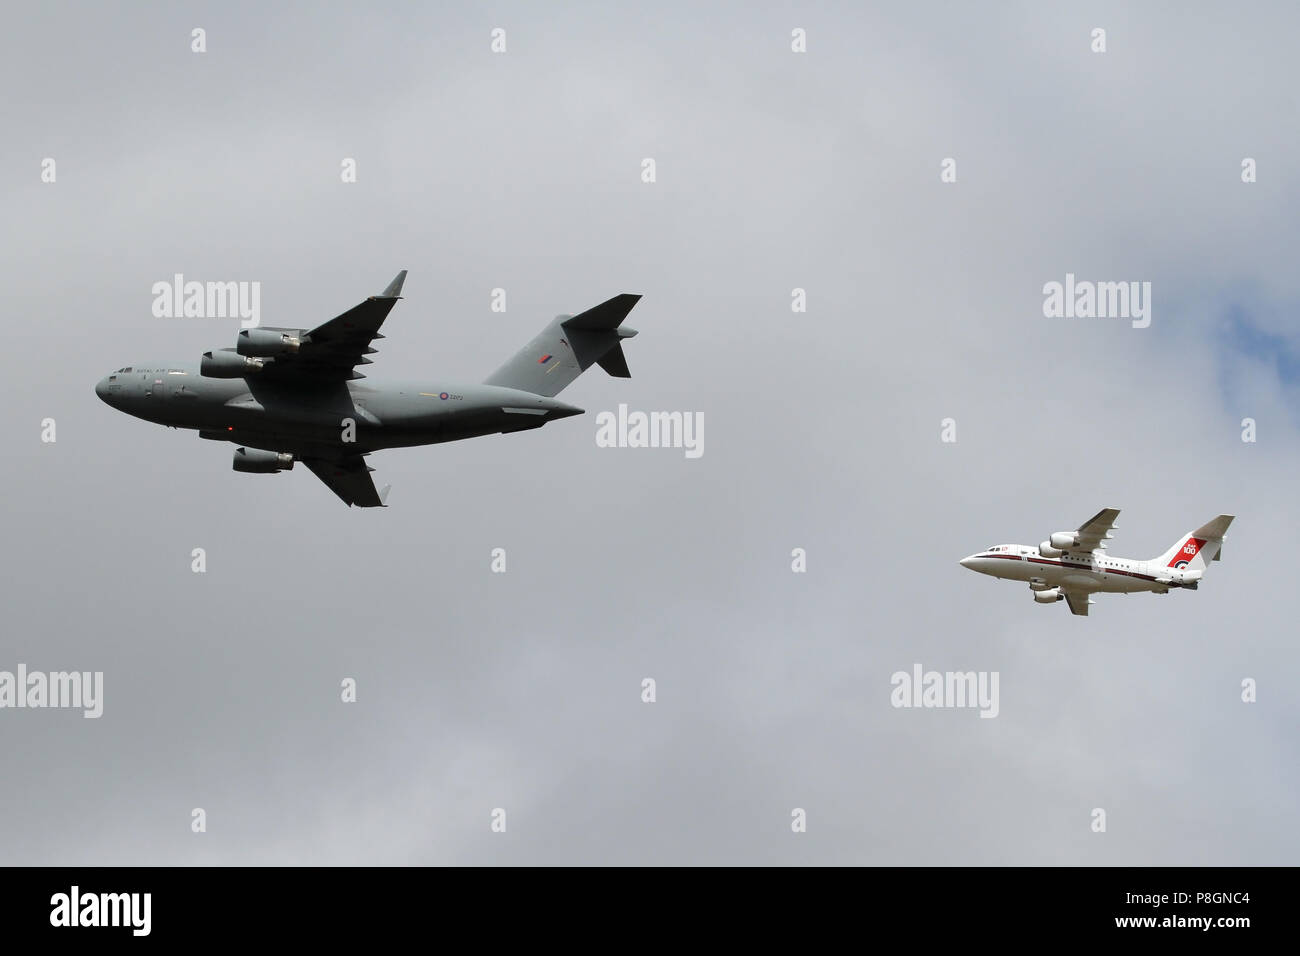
1088, 571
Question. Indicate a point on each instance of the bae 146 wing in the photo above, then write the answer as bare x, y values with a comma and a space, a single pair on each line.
329, 352
1093, 534
1078, 601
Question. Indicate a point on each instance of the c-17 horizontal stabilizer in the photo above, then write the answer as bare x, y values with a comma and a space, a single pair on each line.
607, 316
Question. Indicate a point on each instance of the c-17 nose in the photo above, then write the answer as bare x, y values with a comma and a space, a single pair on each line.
101, 389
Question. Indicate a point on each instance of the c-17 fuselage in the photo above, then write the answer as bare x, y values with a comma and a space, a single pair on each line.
292, 395
352, 416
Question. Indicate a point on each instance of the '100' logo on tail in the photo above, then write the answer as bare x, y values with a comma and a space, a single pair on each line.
1189, 550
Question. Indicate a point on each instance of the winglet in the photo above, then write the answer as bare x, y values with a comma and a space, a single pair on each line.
383, 495
394, 290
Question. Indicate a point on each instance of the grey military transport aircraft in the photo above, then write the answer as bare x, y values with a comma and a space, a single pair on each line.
290, 395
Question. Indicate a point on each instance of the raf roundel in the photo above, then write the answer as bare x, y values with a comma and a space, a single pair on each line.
443, 396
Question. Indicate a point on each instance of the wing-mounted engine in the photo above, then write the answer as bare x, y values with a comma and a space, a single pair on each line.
1049, 596
257, 462
268, 343
1059, 543
326, 354
254, 351
227, 363
1038, 584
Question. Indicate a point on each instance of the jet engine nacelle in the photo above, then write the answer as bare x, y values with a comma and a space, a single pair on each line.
266, 343
1047, 551
226, 364
1064, 539
1038, 584
1050, 596
258, 462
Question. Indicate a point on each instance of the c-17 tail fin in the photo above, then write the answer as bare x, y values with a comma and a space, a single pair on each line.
570, 345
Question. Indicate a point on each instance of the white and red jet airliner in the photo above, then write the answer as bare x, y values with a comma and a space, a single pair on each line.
1071, 565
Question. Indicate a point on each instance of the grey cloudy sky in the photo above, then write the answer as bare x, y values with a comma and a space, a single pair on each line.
775, 170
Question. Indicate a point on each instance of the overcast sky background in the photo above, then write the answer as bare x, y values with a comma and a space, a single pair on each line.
822, 431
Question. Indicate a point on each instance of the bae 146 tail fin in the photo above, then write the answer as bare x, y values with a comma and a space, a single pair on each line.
1196, 549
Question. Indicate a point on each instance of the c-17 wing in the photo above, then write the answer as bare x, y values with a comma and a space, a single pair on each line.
1094, 532
348, 476
331, 352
